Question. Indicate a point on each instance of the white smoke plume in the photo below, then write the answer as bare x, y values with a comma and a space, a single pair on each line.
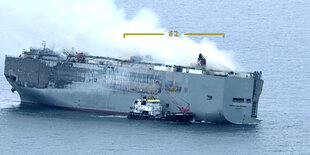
97, 27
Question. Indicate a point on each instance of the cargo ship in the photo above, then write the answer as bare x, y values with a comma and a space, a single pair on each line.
109, 85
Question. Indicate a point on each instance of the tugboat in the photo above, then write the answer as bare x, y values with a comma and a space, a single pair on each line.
149, 107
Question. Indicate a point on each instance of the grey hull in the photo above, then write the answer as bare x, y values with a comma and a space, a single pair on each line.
112, 87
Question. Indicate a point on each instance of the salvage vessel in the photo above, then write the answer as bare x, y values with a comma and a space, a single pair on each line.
109, 85
150, 108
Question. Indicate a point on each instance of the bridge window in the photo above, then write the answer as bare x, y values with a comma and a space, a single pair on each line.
238, 100
248, 100
143, 103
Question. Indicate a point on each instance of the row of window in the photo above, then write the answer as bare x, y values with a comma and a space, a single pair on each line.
235, 100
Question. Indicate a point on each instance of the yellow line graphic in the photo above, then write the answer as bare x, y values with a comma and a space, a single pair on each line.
221, 34
142, 34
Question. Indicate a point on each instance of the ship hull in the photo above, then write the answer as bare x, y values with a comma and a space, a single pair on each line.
112, 89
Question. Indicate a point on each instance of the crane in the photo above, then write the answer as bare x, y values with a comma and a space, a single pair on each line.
181, 109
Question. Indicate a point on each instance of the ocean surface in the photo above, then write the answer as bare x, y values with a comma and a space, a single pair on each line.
268, 36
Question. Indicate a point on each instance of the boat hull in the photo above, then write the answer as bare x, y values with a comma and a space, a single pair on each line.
111, 89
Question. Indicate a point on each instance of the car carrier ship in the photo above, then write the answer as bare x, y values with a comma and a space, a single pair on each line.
110, 86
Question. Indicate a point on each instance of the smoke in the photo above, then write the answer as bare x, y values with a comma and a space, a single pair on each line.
97, 27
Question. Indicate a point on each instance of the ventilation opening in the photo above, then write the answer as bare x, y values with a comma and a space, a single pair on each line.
209, 97
238, 100
254, 110
167, 105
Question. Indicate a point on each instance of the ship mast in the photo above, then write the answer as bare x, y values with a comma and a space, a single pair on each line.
44, 44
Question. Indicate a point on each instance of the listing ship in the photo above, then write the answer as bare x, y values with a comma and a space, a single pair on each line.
109, 85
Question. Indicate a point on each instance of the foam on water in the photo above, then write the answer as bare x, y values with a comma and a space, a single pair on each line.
9, 104
109, 116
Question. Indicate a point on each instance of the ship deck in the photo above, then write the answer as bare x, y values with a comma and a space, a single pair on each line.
101, 60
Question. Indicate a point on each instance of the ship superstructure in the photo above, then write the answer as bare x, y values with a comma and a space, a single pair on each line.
109, 85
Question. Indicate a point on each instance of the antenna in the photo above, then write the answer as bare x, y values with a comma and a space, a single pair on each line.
44, 44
